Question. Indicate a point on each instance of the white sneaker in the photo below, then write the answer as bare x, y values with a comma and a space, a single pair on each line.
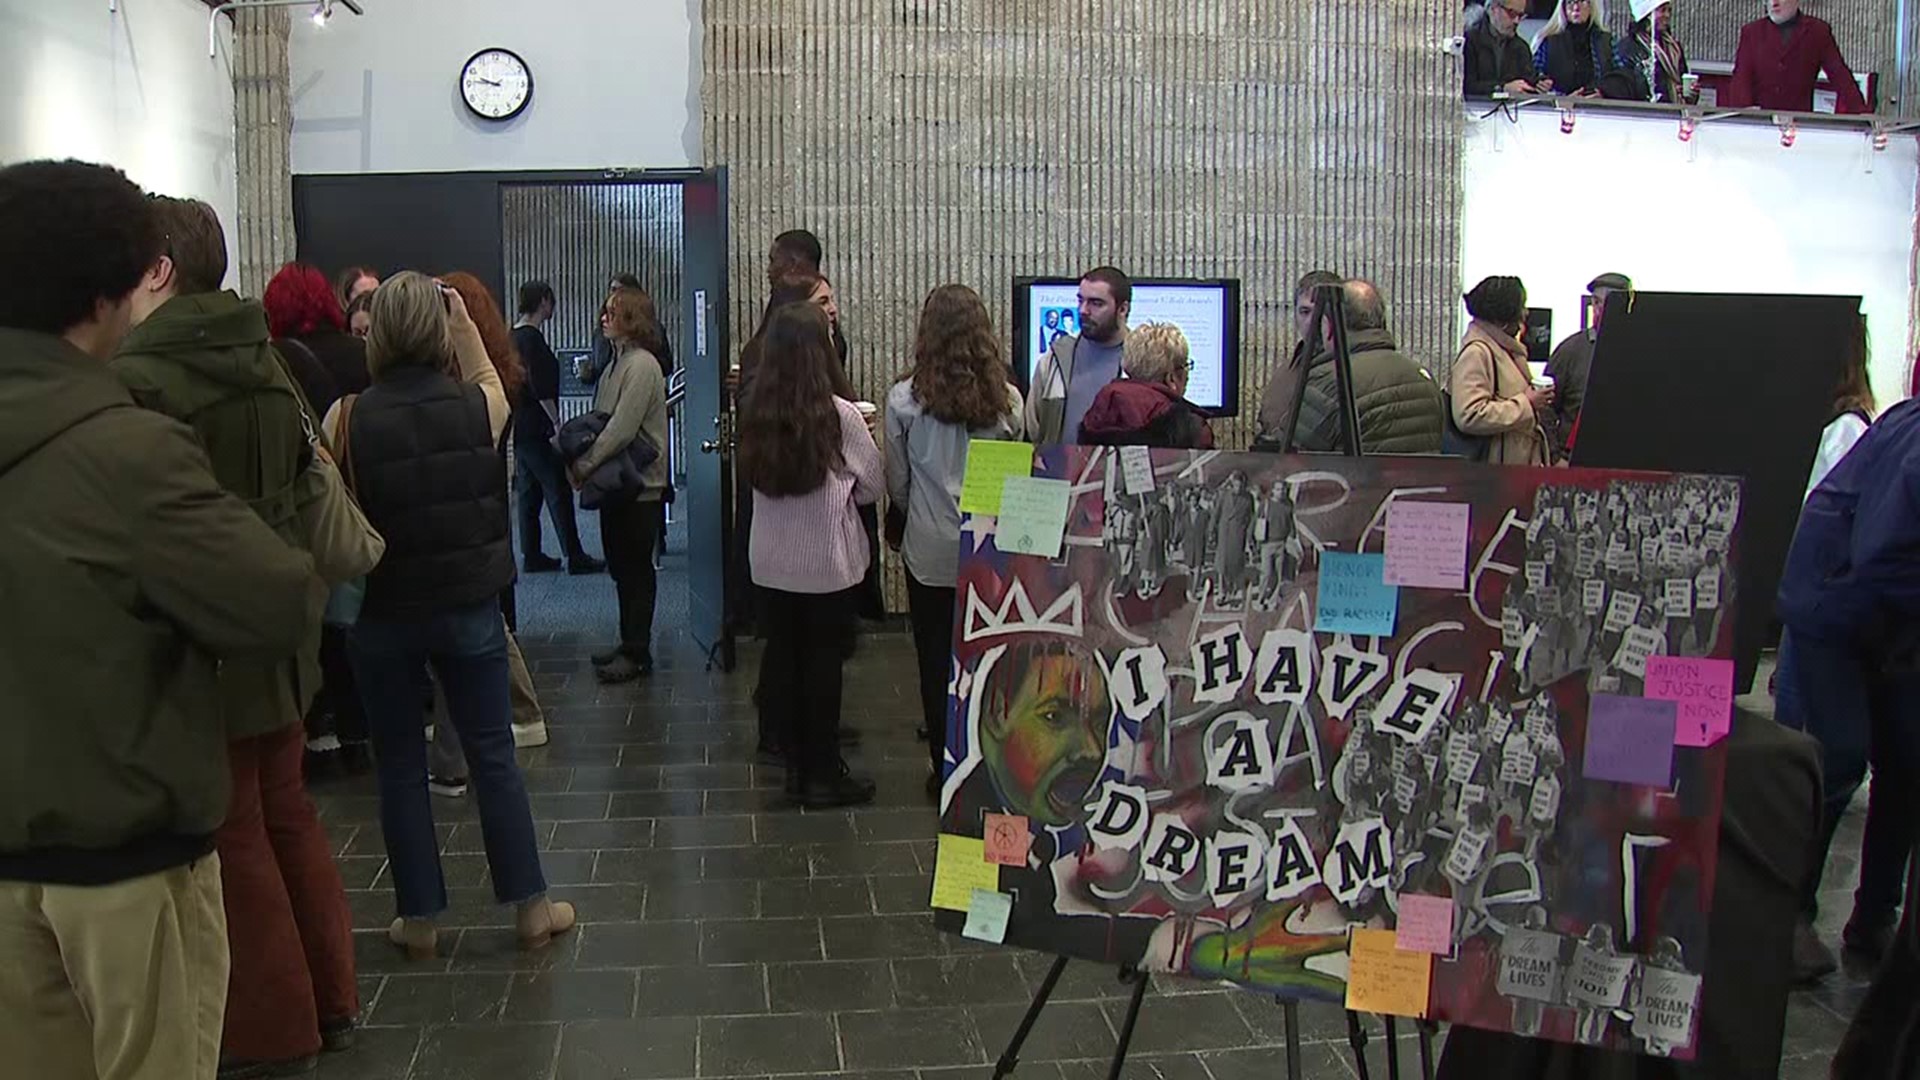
529, 735
446, 787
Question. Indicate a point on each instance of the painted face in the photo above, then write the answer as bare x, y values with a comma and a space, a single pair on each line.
1045, 731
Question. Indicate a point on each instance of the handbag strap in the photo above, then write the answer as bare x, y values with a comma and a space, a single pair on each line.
345, 441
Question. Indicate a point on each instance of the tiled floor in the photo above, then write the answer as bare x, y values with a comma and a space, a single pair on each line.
723, 936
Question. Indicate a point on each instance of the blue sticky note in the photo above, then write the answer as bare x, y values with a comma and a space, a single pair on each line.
987, 916
1354, 597
1630, 740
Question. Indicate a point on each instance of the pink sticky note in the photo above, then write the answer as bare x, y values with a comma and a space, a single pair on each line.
1426, 924
1008, 837
1427, 544
1703, 690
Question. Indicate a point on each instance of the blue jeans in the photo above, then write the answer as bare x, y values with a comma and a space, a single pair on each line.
467, 649
1825, 689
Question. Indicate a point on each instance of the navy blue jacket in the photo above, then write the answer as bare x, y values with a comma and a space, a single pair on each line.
1853, 572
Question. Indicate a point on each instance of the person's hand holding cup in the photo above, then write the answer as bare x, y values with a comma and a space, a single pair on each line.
871, 414
1541, 395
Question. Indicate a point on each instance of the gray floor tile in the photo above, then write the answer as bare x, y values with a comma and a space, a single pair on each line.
834, 986
759, 941
570, 995
960, 980
650, 1048
909, 1038
377, 1054
1066, 1030
752, 1045
487, 1052
821, 896
1183, 1023
412, 1000
726, 990
641, 944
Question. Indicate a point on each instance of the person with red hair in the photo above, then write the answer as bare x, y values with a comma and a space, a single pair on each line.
310, 331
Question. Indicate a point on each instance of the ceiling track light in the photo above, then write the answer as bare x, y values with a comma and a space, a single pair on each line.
322, 12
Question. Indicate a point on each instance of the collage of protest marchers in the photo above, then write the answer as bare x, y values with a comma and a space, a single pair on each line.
1422, 736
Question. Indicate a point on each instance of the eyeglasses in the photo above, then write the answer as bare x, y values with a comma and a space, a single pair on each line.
1513, 13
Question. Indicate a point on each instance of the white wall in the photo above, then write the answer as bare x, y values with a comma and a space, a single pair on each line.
132, 88
616, 83
1737, 213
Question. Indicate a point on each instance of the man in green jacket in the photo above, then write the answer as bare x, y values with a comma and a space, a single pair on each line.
128, 576
1401, 410
202, 356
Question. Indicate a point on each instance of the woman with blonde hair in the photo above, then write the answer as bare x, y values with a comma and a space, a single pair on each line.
633, 395
1575, 50
1148, 407
958, 391
420, 450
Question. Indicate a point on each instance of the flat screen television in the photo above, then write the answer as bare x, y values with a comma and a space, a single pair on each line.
1207, 311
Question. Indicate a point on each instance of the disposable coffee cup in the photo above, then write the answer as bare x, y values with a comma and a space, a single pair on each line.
867, 408
1689, 84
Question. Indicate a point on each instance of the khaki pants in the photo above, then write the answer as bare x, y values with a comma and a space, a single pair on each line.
114, 982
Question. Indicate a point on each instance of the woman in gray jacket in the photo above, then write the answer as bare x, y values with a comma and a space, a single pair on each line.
957, 392
633, 394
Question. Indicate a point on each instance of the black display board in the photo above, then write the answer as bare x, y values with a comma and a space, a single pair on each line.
435, 222
1738, 385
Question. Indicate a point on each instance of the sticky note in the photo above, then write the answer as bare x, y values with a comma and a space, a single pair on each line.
1386, 980
1007, 838
1630, 740
1703, 690
987, 915
989, 463
1136, 469
960, 866
1427, 544
1354, 598
1033, 516
1425, 924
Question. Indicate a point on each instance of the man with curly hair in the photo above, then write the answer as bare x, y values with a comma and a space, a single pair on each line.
130, 577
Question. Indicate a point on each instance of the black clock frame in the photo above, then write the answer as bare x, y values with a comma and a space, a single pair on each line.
524, 102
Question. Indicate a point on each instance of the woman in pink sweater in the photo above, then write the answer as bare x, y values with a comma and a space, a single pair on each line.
810, 461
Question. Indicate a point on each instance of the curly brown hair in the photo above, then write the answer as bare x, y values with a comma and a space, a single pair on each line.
485, 312
789, 424
959, 369
634, 320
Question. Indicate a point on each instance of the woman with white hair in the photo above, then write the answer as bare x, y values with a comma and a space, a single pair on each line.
1575, 50
419, 450
1146, 408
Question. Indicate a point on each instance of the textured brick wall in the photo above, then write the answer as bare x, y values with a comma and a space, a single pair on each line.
929, 141
263, 129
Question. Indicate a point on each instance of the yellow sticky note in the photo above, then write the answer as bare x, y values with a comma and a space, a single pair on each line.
961, 867
1384, 979
989, 463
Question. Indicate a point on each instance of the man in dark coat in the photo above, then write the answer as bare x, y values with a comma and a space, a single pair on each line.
1572, 359
1497, 56
1401, 410
1780, 58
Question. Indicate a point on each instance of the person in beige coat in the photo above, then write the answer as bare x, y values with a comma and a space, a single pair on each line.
1491, 387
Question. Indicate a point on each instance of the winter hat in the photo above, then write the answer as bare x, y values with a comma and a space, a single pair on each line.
1644, 8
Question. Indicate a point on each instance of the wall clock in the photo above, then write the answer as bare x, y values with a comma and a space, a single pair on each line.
496, 84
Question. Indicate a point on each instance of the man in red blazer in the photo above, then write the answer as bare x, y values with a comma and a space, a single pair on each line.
1780, 59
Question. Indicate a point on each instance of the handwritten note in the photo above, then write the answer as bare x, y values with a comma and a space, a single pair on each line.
1427, 544
1008, 836
1703, 690
987, 915
989, 464
1386, 980
960, 866
1033, 516
1354, 597
1136, 469
1425, 925
1630, 740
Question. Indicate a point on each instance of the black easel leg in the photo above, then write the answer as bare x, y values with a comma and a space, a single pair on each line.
1010, 1058
1357, 1038
1393, 1049
1290, 1015
1427, 1031
1126, 1028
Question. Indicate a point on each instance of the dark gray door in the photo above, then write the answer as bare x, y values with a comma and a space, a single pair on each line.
709, 496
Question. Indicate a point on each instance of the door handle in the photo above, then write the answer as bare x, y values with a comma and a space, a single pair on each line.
709, 447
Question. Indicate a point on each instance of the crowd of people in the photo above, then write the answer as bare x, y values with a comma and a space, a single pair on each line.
1777, 65
287, 527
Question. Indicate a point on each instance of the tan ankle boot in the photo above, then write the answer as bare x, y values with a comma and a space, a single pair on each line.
540, 919
417, 936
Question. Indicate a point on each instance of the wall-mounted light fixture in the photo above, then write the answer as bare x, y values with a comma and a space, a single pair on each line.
322, 11
1566, 119
1789, 128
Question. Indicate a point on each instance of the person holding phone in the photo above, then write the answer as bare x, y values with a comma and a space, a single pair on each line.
1497, 58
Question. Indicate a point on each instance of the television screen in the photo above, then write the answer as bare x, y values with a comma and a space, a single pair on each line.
1206, 311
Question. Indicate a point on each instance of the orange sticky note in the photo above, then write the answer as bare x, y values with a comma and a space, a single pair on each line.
1008, 837
1384, 979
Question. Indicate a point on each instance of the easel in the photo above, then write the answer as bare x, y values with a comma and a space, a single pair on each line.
1327, 304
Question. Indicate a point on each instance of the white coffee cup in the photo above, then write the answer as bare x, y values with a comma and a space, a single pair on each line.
867, 408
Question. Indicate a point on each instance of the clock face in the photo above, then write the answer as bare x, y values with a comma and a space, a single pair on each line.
496, 84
